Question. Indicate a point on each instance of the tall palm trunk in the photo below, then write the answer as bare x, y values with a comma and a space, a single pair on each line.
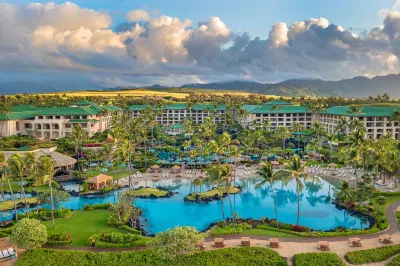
23, 193
2, 191
275, 207
222, 207
13, 198
232, 211
298, 208
365, 180
52, 204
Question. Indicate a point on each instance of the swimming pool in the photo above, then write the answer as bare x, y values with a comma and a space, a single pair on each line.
317, 209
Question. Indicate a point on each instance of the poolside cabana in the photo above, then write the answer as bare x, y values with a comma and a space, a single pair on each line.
99, 182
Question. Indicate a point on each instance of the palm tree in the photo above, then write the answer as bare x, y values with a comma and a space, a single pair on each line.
16, 167
344, 193
268, 176
318, 129
124, 151
196, 183
78, 136
45, 171
295, 171
282, 133
2, 171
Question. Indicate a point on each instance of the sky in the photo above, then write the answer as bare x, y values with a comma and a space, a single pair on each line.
111, 43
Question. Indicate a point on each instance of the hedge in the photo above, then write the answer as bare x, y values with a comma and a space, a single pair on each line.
138, 243
229, 229
45, 214
224, 257
317, 259
58, 243
130, 229
100, 206
347, 232
395, 261
372, 255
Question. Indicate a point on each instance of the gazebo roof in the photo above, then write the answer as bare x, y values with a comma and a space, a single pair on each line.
99, 179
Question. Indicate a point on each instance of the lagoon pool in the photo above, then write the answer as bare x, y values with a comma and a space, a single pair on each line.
317, 209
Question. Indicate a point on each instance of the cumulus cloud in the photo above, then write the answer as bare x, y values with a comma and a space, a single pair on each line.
138, 15
155, 49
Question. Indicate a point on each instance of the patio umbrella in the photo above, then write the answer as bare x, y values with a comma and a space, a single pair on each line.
155, 166
332, 165
175, 167
261, 164
275, 163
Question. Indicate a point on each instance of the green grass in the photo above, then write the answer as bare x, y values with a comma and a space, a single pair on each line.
392, 199
262, 232
147, 192
9, 204
83, 224
17, 188
211, 193
372, 255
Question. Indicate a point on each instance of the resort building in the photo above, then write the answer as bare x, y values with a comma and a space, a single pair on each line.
278, 112
175, 113
56, 122
376, 120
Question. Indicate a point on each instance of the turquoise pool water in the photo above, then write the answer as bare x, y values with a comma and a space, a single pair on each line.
317, 209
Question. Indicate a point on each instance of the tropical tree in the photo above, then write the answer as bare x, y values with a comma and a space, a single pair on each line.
124, 151
381, 201
268, 176
295, 171
16, 168
78, 137
45, 171
344, 193
29, 234
282, 133
168, 244
196, 183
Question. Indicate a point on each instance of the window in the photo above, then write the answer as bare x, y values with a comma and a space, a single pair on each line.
58, 117
67, 117
84, 117
49, 117
40, 117
17, 125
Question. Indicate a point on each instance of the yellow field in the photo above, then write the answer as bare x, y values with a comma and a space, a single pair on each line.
173, 92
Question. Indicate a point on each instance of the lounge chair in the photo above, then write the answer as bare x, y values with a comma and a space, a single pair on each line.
5, 253
11, 251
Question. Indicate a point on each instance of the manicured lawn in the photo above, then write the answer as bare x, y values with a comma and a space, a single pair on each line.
262, 232
391, 199
83, 224
9, 204
17, 188
147, 192
211, 193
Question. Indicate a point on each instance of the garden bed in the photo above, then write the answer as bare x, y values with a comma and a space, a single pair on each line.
317, 259
223, 257
211, 195
372, 255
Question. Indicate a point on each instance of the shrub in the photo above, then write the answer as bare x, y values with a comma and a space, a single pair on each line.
100, 206
299, 228
138, 243
130, 229
29, 234
92, 240
229, 229
395, 261
317, 259
45, 214
114, 221
226, 256
58, 239
119, 238
372, 255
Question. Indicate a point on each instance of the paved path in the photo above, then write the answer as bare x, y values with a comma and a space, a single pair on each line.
394, 228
